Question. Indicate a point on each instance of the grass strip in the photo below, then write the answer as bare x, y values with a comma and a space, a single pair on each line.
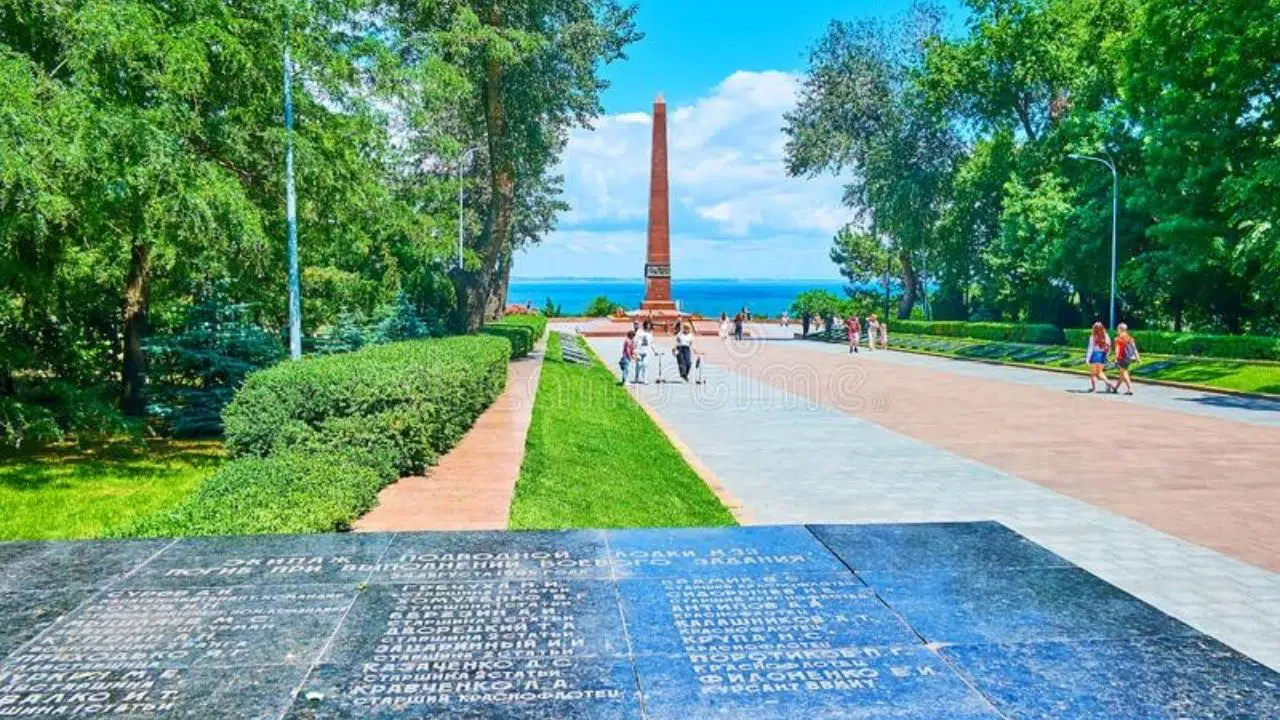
64, 493
1258, 377
594, 459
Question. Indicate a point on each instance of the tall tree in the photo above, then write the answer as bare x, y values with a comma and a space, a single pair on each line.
860, 112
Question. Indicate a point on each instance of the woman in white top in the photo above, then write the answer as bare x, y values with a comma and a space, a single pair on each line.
644, 345
726, 327
684, 349
873, 331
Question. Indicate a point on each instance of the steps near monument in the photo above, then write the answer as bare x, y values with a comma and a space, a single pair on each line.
935, 620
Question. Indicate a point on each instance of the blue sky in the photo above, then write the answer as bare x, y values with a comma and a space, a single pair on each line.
728, 70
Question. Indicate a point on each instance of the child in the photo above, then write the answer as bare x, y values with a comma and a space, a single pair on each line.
628, 354
884, 335
853, 329
1126, 355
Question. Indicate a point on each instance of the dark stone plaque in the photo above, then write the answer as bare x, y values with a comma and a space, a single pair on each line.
868, 682
1134, 679
720, 551
47, 565
129, 693
223, 627
489, 556
933, 546
753, 623
983, 605
687, 616
264, 560
23, 615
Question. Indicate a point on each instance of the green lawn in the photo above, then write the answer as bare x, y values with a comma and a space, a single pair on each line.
594, 459
1211, 373
64, 493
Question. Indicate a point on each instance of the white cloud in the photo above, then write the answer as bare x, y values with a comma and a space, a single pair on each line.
729, 190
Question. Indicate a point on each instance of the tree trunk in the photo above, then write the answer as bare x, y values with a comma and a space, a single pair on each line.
910, 285
502, 197
501, 285
7, 385
134, 373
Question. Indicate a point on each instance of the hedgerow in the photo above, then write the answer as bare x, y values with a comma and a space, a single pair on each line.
1004, 332
522, 331
316, 440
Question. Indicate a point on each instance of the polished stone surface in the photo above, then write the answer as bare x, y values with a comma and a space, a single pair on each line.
1133, 679
709, 552
983, 605
933, 546
948, 621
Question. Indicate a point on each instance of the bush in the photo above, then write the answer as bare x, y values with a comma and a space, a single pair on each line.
1231, 347
295, 492
522, 331
1000, 332
443, 383
602, 306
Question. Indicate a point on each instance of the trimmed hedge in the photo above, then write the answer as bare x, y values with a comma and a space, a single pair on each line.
442, 384
294, 492
317, 439
1002, 332
1228, 347
522, 331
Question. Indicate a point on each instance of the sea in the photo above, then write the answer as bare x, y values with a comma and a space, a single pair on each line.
704, 297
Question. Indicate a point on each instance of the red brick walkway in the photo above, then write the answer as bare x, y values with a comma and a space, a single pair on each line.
471, 488
1210, 481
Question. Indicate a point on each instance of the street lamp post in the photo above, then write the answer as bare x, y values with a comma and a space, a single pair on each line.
461, 215
1115, 213
291, 210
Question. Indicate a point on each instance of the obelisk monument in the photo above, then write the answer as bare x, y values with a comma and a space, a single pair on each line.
657, 265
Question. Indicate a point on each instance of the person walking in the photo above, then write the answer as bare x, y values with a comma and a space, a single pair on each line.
884, 334
644, 345
786, 319
725, 327
806, 318
853, 329
873, 331
1096, 356
1126, 354
737, 326
628, 354
684, 350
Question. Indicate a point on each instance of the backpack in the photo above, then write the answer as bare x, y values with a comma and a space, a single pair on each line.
1130, 351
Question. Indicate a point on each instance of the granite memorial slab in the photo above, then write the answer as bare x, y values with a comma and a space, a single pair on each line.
734, 623
486, 556
685, 552
686, 616
264, 560
933, 546
906, 683
23, 615
1134, 679
43, 565
994, 605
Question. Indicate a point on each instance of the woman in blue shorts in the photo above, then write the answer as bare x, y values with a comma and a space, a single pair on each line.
1096, 356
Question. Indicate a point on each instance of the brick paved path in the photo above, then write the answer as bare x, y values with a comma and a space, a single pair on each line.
472, 486
802, 433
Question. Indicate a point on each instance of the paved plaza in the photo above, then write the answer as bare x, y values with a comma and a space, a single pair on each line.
1171, 495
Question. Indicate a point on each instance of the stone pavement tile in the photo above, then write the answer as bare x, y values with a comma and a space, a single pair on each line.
472, 486
904, 683
782, 456
1134, 679
1156, 472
